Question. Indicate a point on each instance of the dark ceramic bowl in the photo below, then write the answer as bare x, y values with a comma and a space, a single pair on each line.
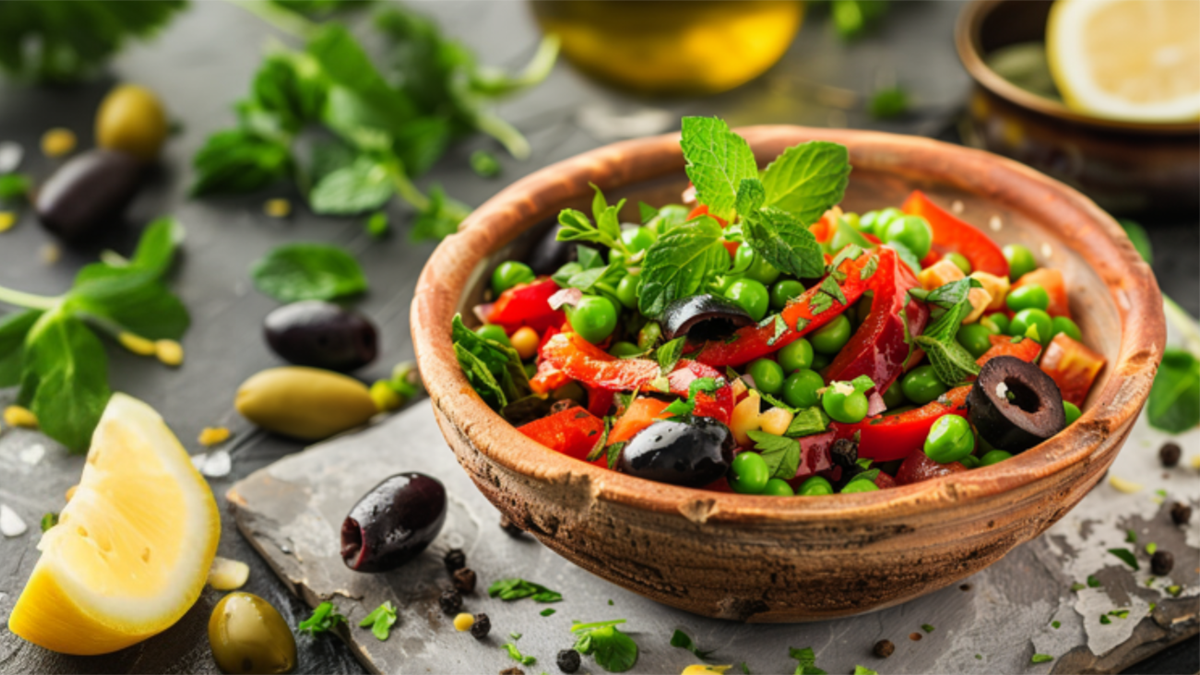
771, 559
1128, 168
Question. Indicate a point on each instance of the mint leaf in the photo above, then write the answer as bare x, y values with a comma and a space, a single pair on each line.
781, 454
807, 179
784, 241
380, 621
364, 185
1126, 556
680, 263
750, 195
493, 369
670, 353
682, 640
13, 329
324, 618
807, 421
717, 162
1174, 404
239, 160
613, 650
515, 654
64, 380
305, 271
518, 589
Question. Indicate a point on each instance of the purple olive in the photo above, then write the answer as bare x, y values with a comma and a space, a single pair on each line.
322, 335
89, 191
393, 522
693, 452
703, 317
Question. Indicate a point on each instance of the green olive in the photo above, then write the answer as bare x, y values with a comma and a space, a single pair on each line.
131, 119
247, 635
305, 403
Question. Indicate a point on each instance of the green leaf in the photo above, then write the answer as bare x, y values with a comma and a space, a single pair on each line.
324, 618
503, 379
485, 164
886, 104
377, 224
237, 160
65, 379
784, 241
345, 62
863, 670
646, 212
1041, 658
1138, 237
670, 353
807, 179
750, 195
440, 218
1174, 404
305, 271
364, 185
480, 378
380, 621
613, 650
13, 329
781, 454
717, 162
952, 363
807, 661
15, 187
682, 640
1126, 557
518, 589
807, 421
680, 263
515, 654
49, 520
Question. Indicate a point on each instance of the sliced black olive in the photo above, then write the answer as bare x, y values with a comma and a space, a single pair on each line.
1014, 405
692, 453
393, 522
322, 335
703, 317
549, 254
88, 192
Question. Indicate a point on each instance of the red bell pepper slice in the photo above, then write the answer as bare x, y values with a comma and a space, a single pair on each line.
951, 235
1072, 366
897, 436
641, 413
1052, 280
1002, 345
751, 342
877, 349
702, 210
586, 363
717, 405
573, 432
527, 305
600, 401
918, 467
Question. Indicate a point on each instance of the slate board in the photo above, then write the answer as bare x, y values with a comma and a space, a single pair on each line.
291, 513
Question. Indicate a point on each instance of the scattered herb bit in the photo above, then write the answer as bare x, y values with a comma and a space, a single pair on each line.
1150, 609
516, 636
1174, 403
1093, 582
1104, 619
1174, 590
1130, 537
745, 668
303, 271
610, 603
517, 589
886, 104
14, 187
1056, 625
324, 618
863, 670
1119, 613
1077, 586
548, 611
485, 164
1041, 658
49, 520
1151, 548
683, 641
807, 659
1126, 556
516, 655
378, 224
979, 657
613, 650
1150, 581
380, 621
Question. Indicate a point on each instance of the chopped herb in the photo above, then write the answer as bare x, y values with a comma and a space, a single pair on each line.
517, 589
1120, 613
516, 655
1150, 581
863, 670
683, 641
807, 421
1104, 619
548, 611
1130, 537
979, 657
927, 628
485, 164
1077, 586
1093, 582
613, 650
1056, 625
1041, 658
610, 603
14, 187
781, 454
1126, 556
745, 668
1174, 590
890, 103
807, 661
377, 224
1151, 548
380, 621
324, 618
516, 636
49, 520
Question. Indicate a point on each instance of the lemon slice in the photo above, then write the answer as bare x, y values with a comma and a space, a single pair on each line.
1127, 59
133, 547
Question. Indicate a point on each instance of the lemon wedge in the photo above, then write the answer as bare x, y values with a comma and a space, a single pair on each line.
131, 550
1127, 59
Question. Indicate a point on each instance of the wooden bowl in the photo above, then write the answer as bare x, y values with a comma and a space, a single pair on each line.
770, 559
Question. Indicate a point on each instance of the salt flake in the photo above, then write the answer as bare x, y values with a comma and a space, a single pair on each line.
11, 524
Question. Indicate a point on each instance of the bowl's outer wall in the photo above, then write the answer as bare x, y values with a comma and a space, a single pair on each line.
769, 559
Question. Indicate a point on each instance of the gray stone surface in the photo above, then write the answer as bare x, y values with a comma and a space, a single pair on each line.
199, 66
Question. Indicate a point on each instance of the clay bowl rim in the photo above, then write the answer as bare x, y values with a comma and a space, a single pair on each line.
968, 31
1092, 233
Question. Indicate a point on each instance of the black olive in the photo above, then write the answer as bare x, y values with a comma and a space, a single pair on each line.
549, 254
89, 191
692, 453
1014, 405
393, 522
322, 335
703, 317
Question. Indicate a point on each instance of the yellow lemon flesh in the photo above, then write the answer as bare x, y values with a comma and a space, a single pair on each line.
1136, 60
133, 547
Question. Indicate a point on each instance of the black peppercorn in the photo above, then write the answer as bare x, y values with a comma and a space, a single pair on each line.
884, 648
509, 526
1161, 563
844, 453
1181, 513
450, 601
455, 560
481, 627
464, 580
568, 660
1169, 454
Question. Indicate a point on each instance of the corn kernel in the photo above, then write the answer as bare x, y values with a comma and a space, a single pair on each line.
1122, 485
996, 286
384, 396
227, 575
775, 421
525, 340
136, 343
277, 208
169, 352
745, 418
210, 436
463, 622
939, 274
16, 416
58, 142
979, 299
7, 220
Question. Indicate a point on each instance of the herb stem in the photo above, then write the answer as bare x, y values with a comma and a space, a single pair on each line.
599, 624
541, 64
27, 300
284, 19
499, 129
409, 192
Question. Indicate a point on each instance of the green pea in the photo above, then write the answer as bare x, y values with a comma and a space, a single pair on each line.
785, 290
1061, 324
860, 485
831, 337
1031, 323
997, 323
1031, 296
894, 397
853, 220
616, 257
815, 487
970, 461
492, 331
637, 238
623, 349
1020, 261
960, 261
975, 338
509, 274
795, 355
768, 375
759, 269
885, 218
648, 336
913, 232
839, 241
777, 487
751, 296
801, 387
868, 221
1072, 412
921, 386
627, 290
748, 474
844, 404
594, 318
950, 439
994, 457
820, 361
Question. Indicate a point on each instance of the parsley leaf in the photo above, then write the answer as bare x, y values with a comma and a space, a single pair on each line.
807, 661
682, 640
717, 162
324, 618
781, 454
807, 179
517, 589
304, 271
380, 621
680, 263
613, 650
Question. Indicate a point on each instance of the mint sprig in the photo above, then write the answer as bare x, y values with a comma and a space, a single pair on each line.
717, 162
807, 179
